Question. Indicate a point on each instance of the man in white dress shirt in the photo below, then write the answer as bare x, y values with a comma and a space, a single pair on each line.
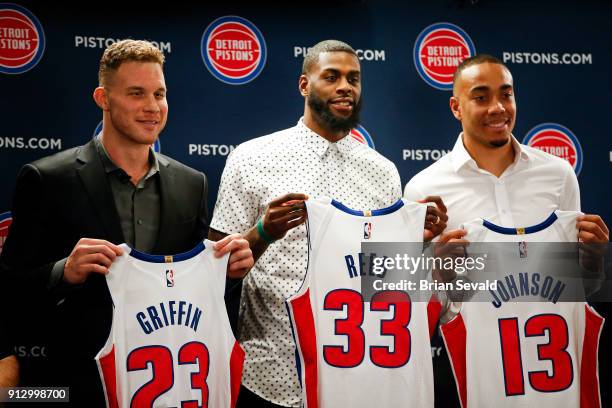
489, 174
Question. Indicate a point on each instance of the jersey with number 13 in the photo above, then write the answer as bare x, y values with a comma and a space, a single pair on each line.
525, 348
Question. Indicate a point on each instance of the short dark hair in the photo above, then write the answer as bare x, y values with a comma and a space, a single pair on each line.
476, 60
312, 57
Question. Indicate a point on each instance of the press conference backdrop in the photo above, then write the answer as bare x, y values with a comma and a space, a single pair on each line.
232, 72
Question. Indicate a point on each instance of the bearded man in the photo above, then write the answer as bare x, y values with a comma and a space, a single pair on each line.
258, 197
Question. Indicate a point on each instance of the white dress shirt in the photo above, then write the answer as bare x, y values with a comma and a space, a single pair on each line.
527, 192
295, 160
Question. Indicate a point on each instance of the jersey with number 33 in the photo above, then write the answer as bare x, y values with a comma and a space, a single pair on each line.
354, 351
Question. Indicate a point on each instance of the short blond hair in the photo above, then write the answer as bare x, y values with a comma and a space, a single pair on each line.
126, 51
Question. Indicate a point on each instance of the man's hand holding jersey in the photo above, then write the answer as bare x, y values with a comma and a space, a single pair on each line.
436, 218
97, 255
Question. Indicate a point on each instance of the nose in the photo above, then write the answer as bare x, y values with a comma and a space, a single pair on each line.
497, 107
151, 104
344, 87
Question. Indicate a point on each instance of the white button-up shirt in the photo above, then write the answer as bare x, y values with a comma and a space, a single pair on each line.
531, 188
294, 160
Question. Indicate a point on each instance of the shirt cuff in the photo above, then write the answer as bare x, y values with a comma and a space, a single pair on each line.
56, 284
57, 274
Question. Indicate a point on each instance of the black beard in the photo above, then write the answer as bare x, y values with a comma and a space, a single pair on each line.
326, 119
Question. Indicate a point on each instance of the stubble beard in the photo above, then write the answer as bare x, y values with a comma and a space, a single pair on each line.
499, 142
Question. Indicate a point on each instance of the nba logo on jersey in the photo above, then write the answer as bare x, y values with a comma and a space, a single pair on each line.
169, 278
522, 249
367, 230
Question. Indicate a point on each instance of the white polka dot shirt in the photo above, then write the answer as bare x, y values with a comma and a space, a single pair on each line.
294, 160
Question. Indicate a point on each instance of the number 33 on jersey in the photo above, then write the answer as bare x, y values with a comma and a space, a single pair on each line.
170, 344
357, 352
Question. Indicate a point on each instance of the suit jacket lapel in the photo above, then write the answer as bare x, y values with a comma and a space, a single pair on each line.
89, 167
168, 188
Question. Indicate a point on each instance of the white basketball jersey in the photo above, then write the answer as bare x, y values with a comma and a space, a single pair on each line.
535, 353
351, 352
170, 344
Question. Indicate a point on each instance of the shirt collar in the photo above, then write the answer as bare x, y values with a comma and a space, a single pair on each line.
460, 156
319, 144
110, 166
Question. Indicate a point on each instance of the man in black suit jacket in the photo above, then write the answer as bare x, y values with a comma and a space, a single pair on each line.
72, 209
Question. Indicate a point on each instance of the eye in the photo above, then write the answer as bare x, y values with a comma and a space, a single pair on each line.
330, 78
160, 95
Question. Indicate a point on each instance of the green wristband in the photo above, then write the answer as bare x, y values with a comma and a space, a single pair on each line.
263, 234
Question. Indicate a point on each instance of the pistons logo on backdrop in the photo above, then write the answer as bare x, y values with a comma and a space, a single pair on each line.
233, 50
557, 140
438, 50
22, 39
5, 223
156, 146
362, 136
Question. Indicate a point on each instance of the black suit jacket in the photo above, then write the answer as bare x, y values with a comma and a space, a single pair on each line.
58, 200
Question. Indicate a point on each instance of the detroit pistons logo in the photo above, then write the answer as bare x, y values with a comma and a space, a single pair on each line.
156, 146
557, 140
361, 135
233, 50
5, 223
22, 39
438, 50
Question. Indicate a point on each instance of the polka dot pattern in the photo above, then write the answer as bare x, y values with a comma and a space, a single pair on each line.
294, 160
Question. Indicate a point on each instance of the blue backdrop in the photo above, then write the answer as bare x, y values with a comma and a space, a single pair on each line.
222, 91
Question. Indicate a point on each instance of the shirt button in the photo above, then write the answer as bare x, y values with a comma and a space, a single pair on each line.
139, 222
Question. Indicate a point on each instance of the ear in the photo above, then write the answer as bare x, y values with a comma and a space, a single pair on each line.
455, 107
303, 85
100, 97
